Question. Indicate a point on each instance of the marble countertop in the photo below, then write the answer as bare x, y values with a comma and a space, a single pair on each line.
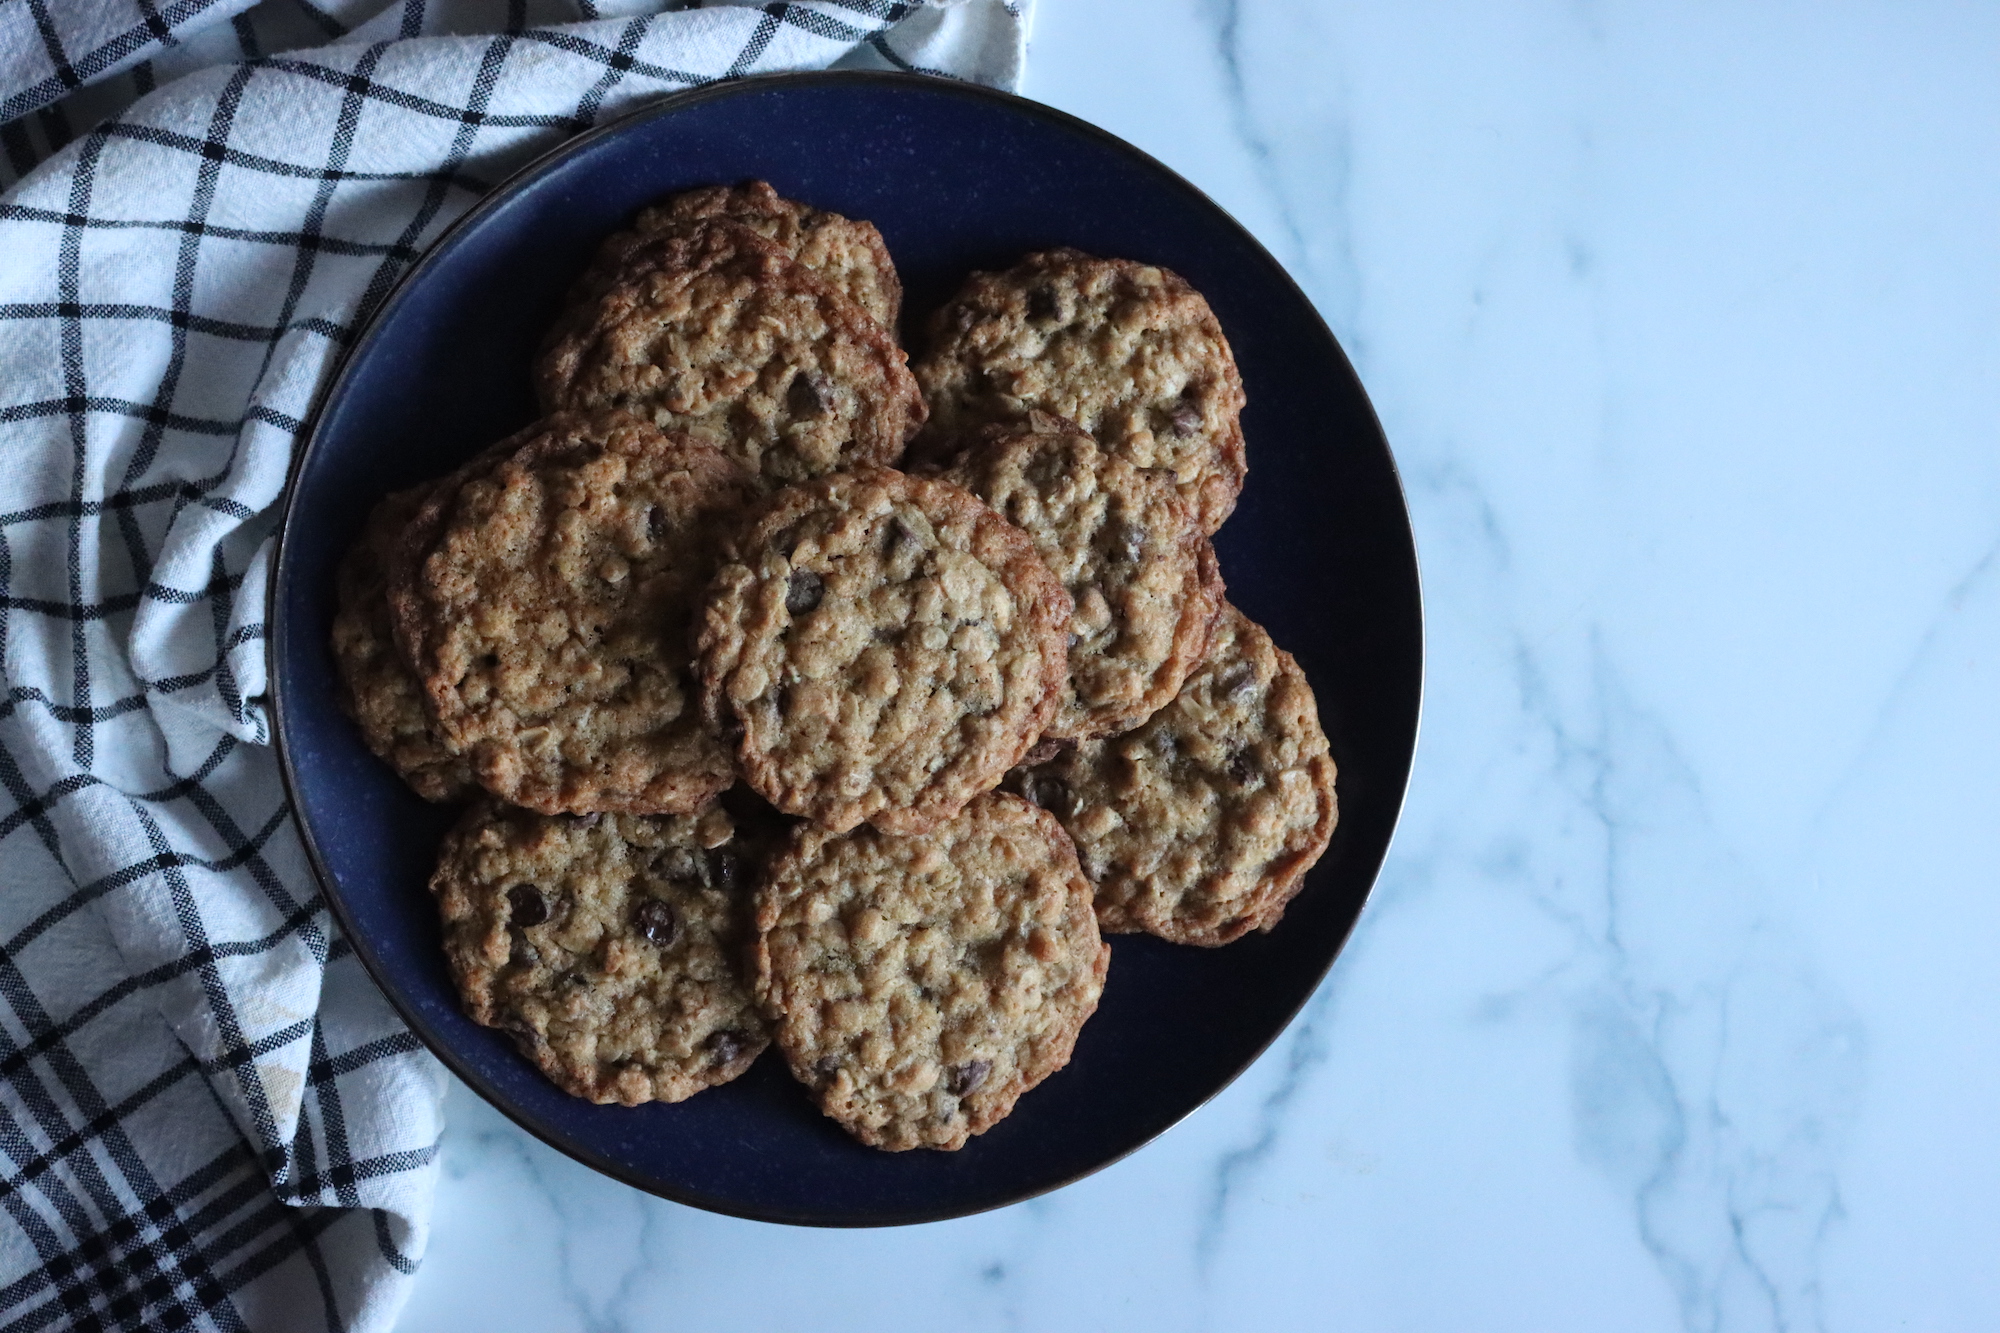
1676, 1005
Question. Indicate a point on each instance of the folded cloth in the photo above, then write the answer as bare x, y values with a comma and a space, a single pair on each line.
209, 1117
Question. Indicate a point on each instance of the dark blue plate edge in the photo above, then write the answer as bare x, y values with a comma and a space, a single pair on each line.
279, 630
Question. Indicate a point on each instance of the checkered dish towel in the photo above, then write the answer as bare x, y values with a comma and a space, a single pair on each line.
209, 1117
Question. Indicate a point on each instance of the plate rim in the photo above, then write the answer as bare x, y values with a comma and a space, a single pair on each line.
279, 631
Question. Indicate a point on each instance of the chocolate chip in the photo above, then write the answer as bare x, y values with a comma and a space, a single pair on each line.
590, 820
1238, 683
1128, 542
725, 870
656, 523
967, 1077
726, 1046
1186, 419
524, 954
1047, 748
826, 1066
1242, 767
804, 399
898, 536
1051, 793
656, 921
526, 906
1042, 304
803, 592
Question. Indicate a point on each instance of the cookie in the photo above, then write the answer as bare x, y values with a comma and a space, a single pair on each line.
714, 330
848, 253
1127, 548
610, 946
884, 647
1200, 825
1127, 351
377, 689
920, 985
545, 602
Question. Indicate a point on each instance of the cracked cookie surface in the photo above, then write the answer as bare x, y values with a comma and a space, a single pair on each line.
920, 985
847, 252
545, 600
1200, 825
885, 646
1127, 351
610, 947
378, 689
714, 330
1128, 550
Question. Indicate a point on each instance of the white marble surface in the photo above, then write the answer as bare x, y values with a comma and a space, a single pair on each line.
1677, 1004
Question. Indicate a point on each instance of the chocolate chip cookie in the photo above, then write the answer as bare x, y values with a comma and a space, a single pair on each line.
920, 985
609, 946
846, 252
1127, 548
377, 689
545, 600
714, 330
884, 647
1127, 351
1200, 825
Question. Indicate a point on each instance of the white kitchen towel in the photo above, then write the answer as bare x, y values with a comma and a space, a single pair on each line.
209, 1117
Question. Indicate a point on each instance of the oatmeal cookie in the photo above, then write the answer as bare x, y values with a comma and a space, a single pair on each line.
1127, 351
714, 330
545, 601
1200, 825
920, 985
884, 647
377, 689
848, 253
1125, 545
610, 946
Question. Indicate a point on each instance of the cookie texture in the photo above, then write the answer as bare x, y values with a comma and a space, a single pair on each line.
920, 985
1127, 549
377, 688
847, 252
545, 601
611, 947
1200, 825
1127, 351
884, 647
714, 330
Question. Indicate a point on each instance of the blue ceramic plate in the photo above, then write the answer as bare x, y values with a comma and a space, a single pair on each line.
957, 178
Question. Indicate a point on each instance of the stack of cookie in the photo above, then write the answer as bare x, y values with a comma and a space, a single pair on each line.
764, 739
